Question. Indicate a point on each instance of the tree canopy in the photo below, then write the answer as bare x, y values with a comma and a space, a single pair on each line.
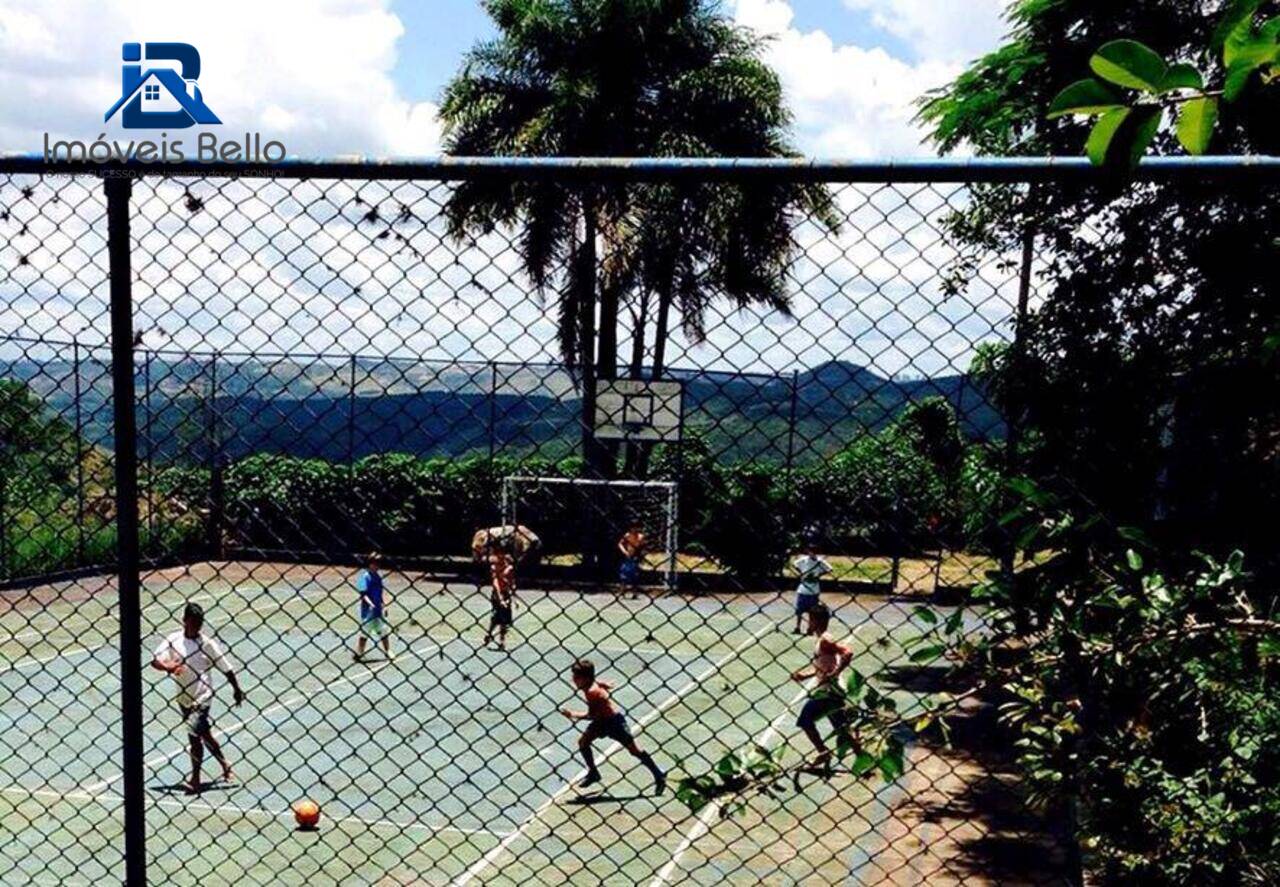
625, 78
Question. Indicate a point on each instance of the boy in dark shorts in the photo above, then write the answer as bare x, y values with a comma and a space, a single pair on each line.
606, 722
631, 546
502, 575
810, 567
830, 658
190, 658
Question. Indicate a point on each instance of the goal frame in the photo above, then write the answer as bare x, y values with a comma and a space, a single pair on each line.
510, 513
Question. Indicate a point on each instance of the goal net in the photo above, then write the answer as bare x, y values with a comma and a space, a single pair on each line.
566, 511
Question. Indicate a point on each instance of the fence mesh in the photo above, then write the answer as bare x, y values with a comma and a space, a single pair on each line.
325, 369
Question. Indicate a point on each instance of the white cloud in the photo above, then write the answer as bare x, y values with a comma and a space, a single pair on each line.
315, 75
276, 265
946, 31
854, 101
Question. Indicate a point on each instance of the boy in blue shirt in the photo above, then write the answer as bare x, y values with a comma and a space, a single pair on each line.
373, 623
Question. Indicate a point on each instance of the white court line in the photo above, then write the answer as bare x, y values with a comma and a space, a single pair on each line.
160, 760
176, 804
712, 810
485, 861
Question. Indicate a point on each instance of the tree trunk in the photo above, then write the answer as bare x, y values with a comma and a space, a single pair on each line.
595, 541
607, 365
660, 333
585, 272
661, 325
639, 321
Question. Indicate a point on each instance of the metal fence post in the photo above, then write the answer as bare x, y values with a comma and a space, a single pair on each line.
493, 409
75, 369
147, 441
351, 421
1015, 408
4, 554
123, 397
216, 488
788, 525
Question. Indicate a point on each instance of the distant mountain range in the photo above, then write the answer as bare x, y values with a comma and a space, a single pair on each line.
437, 409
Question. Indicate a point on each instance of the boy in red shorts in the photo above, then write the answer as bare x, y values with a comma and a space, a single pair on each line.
606, 722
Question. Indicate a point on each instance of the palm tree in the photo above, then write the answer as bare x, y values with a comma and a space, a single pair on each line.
619, 78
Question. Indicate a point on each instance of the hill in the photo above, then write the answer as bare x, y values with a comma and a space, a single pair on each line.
307, 408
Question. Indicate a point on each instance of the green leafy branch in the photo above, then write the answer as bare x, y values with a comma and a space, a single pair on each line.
874, 740
1134, 89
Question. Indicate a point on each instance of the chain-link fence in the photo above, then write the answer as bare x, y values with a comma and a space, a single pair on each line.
417, 439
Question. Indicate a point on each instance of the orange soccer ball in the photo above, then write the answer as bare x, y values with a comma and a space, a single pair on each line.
307, 813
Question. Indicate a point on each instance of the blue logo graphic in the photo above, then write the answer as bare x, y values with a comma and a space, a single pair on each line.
160, 98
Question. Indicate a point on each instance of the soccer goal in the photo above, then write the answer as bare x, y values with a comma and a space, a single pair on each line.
558, 509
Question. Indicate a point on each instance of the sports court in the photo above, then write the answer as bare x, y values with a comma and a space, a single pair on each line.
450, 764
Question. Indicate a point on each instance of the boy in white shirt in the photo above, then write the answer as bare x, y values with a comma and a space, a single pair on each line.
190, 658
811, 568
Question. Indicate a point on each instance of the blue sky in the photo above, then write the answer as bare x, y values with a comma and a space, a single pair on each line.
438, 32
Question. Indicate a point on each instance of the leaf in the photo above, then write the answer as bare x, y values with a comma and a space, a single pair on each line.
1134, 535
928, 654
1121, 142
1134, 559
729, 765
1182, 76
1244, 46
892, 763
1085, 97
924, 614
1131, 64
1104, 131
862, 764
1239, 16
1237, 80
854, 683
1145, 123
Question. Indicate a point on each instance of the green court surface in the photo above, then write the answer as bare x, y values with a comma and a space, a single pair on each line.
449, 765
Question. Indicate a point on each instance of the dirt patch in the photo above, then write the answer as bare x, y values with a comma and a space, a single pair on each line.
961, 817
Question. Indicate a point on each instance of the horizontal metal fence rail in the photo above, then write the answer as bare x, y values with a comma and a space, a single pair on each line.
911, 170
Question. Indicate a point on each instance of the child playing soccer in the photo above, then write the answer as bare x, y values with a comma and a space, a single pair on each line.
373, 622
607, 722
811, 569
830, 658
631, 546
190, 658
502, 576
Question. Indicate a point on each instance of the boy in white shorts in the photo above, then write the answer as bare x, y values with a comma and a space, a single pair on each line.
190, 658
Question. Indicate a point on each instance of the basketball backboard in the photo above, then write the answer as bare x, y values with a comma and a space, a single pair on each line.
637, 409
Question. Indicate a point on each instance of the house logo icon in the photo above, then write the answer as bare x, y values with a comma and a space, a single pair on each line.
160, 97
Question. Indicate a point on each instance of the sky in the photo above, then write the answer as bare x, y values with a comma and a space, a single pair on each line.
292, 266
365, 76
